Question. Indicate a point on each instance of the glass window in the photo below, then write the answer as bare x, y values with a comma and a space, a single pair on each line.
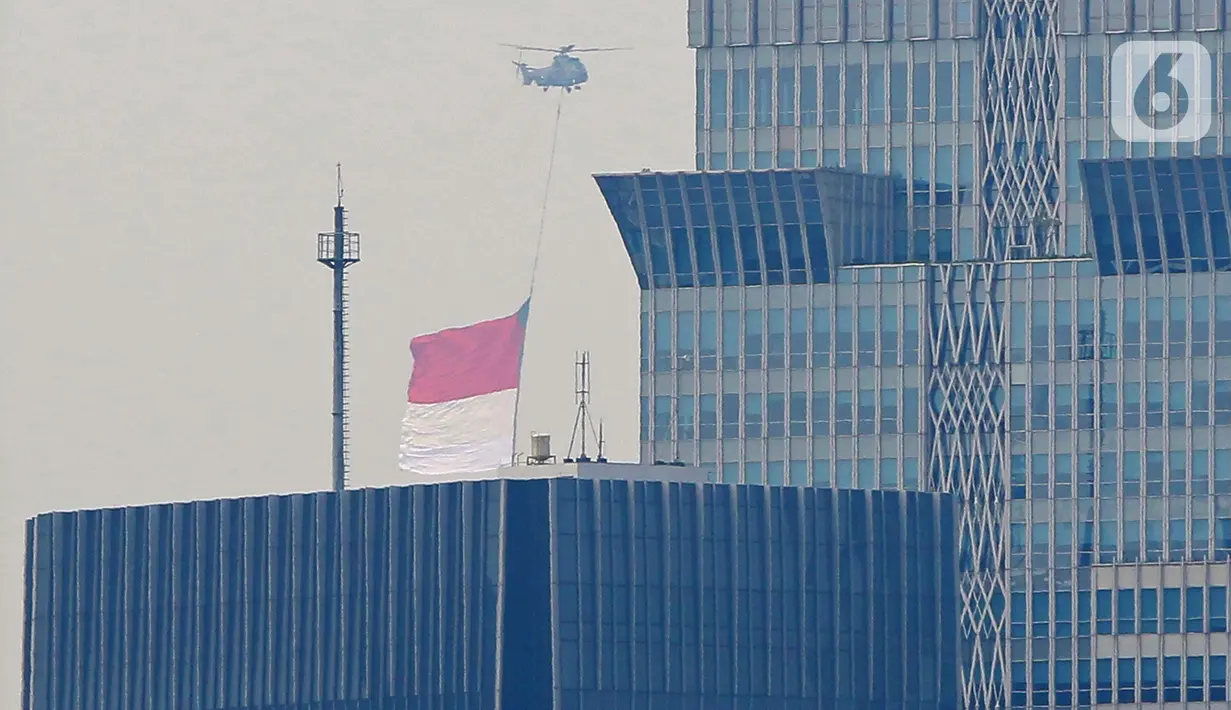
844, 471
910, 410
1040, 331
741, 98
820, 337
844, 412
730, 340
685, 339
799, 414
1064, 613
876, 98
921, 92
709, 340
685, 429
844, 342
944, 91
775, 473
898, 94
1039, 609
1103, 680
820, 414
1149, 680
1154, 404
1177, 404
889, 411
1194, 607
1201, 326
1131, 332
854, 94
786, 96
1149, 611
1063, 403
662, 418
1177, 327
753, 413
867, 474
1171, 610
1095, 100
1196, 679
1072, 87
1125, 668
867, 411
709, 417
889, 473
1222, 320
775, 425
1154, 328
831, 96
776, 351
718, 100
1017, 331
1063, 329
807, 96
1222, 402
1218, 678
799, 338
754, 339
910, 474
1103, 616
1040, 407
867, 335
1131, 392
798, 473
966, 91
764, 96
662, 341
730, 416
1218, 609
1222, 470
1126, 612
910, 335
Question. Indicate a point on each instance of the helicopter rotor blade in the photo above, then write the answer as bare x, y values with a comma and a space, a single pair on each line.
601, 49
529, 49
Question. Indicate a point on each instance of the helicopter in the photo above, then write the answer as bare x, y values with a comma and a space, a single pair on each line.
565, 72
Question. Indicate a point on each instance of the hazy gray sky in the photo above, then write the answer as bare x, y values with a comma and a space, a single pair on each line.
166, 167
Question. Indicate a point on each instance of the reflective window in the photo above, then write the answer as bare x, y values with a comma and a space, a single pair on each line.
764, 96
741, 98
786, 96
854, 94
799, 338
709, 340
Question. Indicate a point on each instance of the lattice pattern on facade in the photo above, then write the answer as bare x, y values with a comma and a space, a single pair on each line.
968, 456
1021, 104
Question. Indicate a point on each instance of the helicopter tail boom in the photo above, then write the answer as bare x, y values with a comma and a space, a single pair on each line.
523, 71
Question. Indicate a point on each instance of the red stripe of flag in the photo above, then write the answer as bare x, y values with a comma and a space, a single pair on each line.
473, 360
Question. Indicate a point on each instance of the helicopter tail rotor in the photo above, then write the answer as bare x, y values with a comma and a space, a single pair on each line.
521, 71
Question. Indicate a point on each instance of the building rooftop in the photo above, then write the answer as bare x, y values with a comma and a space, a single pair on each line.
661, 472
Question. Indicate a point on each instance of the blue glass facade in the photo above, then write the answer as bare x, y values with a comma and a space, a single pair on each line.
560, 593
1044, 330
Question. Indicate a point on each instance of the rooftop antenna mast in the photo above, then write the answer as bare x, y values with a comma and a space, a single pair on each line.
583, 422
337, 250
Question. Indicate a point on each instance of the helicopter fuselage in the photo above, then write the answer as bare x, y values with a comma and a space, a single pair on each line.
565, 72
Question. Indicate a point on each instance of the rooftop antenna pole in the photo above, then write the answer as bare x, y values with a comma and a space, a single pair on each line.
583, 419
337, 250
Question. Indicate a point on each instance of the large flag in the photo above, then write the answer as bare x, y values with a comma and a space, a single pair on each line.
462, 398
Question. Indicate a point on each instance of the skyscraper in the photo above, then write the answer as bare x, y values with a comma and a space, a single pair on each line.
1037, 317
